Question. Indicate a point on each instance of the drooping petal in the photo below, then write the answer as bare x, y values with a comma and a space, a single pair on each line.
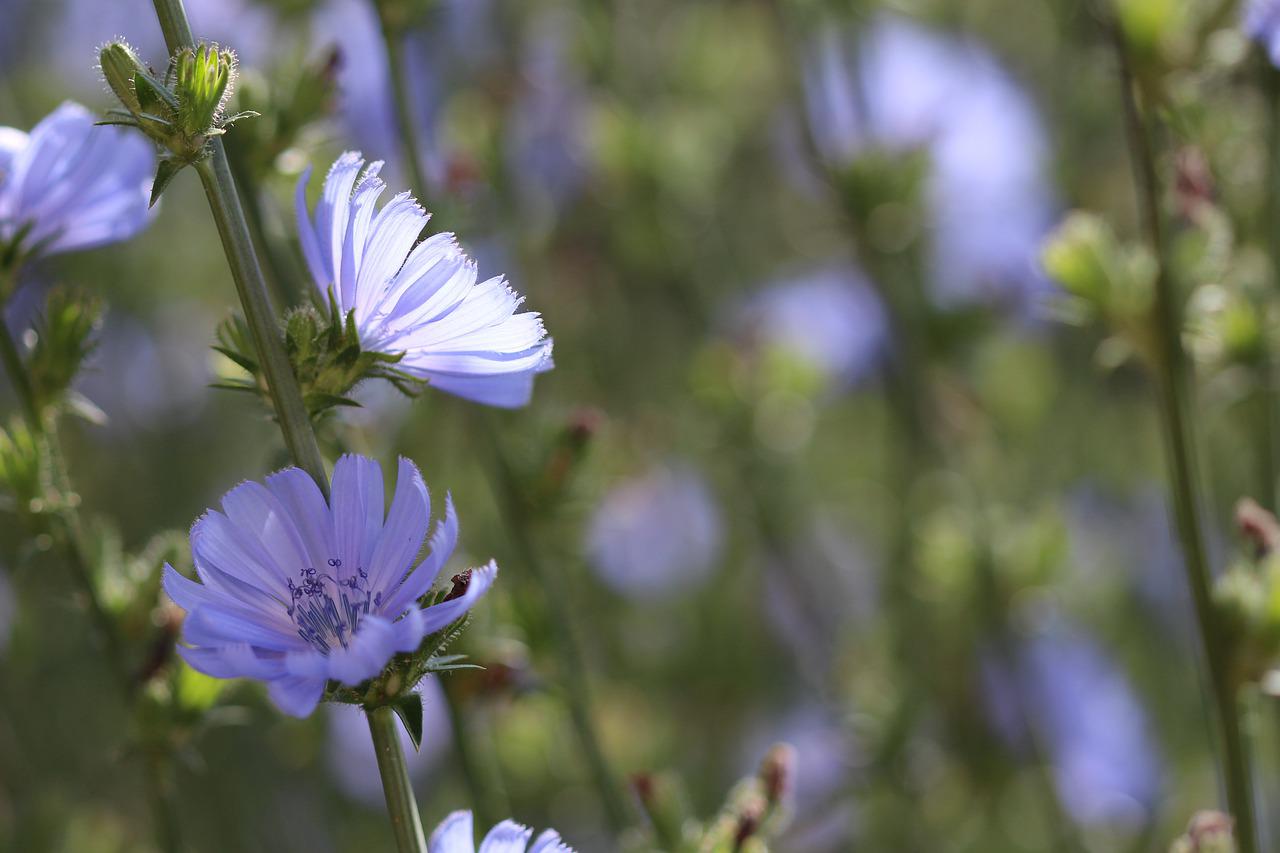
507, 837
455, 834
368, 652
295, 696
319, 268
237, 660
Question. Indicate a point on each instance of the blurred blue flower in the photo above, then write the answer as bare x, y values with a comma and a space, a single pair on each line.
70, 185
1262, 24
353, 764
1093, 726
546, 143
423, 299
297, 593
657, 534
149, 376
900, 87
829, 317
455, 835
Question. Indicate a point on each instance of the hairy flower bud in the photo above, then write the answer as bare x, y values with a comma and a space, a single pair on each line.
120, 65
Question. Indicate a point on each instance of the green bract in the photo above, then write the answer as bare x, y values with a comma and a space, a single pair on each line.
180, 112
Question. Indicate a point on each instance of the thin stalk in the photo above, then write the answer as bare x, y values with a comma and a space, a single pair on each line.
478, 771
572, 662
1271, 239
410, 150
1180, 453
402, 806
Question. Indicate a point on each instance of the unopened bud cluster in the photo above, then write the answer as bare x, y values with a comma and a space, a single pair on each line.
180, 112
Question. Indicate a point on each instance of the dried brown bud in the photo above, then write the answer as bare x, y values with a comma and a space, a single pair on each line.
1258, 526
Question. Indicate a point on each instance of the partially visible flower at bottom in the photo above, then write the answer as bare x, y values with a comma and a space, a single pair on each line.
621, 545
456, 835
298, 593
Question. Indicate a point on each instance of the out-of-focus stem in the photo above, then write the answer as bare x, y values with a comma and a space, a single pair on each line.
402, 806
410, 150
478, 771
572, 661
1180, 452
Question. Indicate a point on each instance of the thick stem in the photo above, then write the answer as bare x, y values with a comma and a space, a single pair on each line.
1180, 456
228, 215
401, 804
286, 398
572, 661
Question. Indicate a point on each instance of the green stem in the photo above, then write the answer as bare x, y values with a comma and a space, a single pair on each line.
295, 422
572, 661
1180, 453
401, 804
393, 37
286, 398
228, 215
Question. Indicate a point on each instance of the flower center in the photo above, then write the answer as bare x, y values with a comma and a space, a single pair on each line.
327, 607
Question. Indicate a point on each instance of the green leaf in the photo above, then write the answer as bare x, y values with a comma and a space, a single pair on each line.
409, 709
164, 174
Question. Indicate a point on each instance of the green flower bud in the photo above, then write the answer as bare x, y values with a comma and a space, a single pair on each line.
120, 65
205, 75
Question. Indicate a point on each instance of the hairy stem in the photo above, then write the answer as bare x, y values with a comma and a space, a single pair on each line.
406, 826
1180, 455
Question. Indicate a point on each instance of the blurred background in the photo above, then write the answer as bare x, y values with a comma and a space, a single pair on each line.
819, 461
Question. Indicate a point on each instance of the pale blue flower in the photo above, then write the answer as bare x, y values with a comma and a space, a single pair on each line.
420, 299
901, 87
69, 184
297, 593
656, 534
830, 318
1093, 726
1262, 24
456, 835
